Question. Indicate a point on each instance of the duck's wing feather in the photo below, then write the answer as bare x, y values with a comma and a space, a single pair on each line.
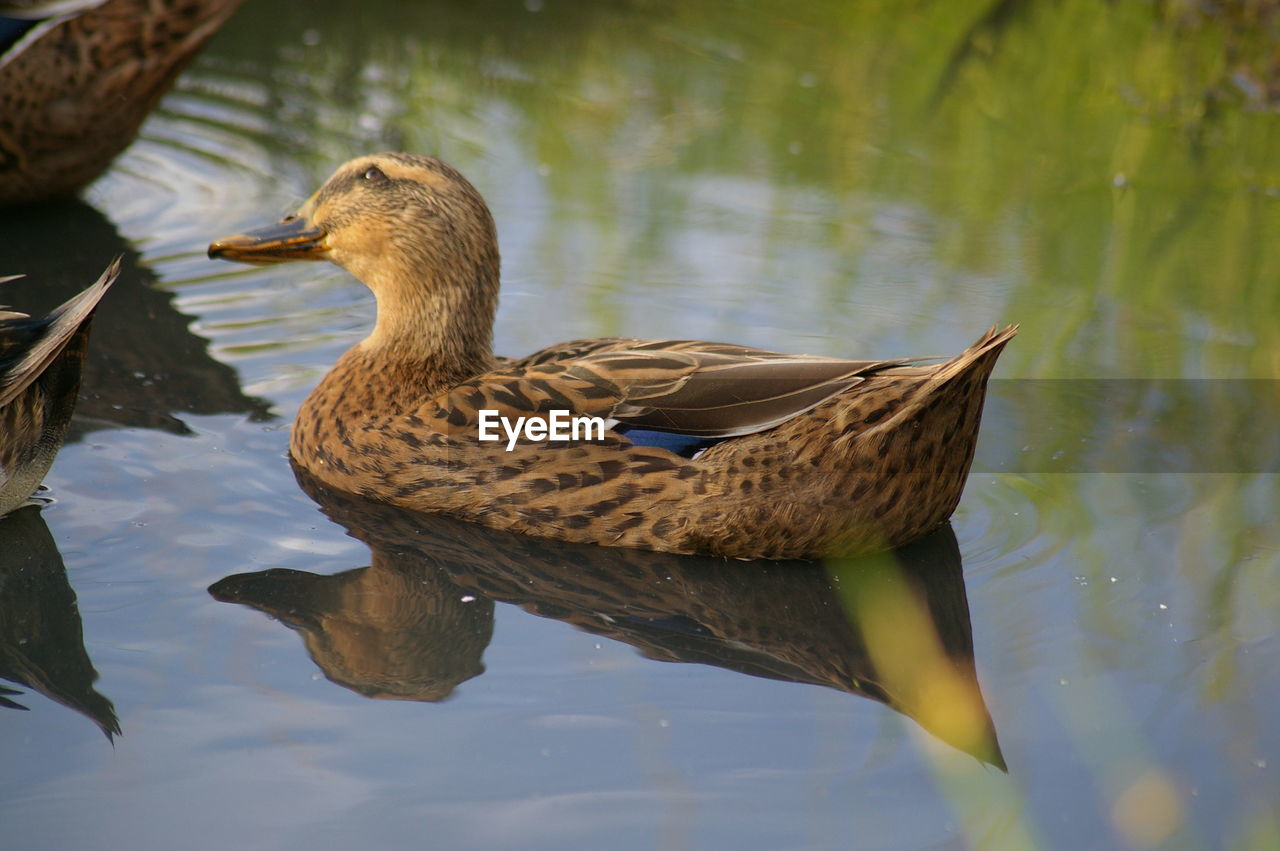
572, 350
712, 393
712, 390
28, 346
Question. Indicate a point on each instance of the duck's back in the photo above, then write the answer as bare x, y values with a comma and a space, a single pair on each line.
872, 462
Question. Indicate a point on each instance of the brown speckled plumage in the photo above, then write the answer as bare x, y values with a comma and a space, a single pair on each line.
823, 455
75, 89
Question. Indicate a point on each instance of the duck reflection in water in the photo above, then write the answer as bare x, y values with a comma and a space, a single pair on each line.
415, 623
41, 638
146, 368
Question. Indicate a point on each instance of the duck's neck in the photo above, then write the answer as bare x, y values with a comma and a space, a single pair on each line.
444, 331
429, 337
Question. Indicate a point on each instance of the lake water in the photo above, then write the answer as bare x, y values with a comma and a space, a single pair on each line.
866, 179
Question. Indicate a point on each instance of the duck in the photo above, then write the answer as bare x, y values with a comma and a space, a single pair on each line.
699, 447
78, 78
40, 364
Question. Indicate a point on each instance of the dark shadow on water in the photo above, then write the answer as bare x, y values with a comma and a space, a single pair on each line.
145, 367
41, 640
415, 623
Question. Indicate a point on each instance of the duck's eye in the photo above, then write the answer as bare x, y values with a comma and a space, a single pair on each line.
373, 173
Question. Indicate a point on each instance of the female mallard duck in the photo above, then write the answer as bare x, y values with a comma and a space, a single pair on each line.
712, 448
77, 79
40, 362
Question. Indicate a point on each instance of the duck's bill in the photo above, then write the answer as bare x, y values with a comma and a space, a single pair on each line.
291, 239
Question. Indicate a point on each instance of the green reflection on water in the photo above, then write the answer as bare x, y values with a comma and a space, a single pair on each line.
1106, 174
1108, 170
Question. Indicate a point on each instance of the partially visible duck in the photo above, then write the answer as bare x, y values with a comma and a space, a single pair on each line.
712, 448
77, 79
40, 361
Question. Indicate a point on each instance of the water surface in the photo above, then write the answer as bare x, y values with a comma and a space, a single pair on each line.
857, 179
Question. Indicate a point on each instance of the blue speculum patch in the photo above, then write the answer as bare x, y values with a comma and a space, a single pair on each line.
686, 445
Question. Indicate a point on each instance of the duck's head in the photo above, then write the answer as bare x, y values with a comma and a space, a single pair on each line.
411, 228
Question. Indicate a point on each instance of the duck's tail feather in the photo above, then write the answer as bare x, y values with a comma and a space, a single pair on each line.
981, 355
960, 381
52, 334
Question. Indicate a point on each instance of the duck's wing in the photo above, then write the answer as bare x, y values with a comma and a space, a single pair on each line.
712, 390
575, 349
715, 390
28, 346
23, 23
572, 350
